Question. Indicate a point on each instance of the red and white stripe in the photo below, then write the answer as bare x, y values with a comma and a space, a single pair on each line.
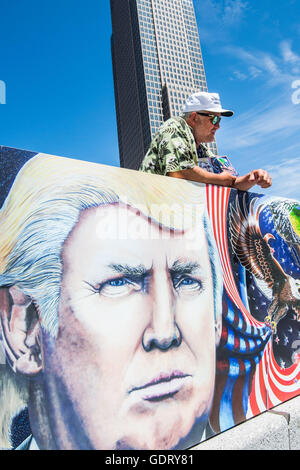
217, 205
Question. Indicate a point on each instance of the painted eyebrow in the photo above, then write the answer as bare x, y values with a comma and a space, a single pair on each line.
182, 267
131, 271
178, 267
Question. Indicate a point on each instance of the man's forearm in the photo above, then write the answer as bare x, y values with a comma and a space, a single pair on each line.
203, 176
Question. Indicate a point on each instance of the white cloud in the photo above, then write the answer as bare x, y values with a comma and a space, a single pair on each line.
275, 69
270, 65
271, 120
285, 178
233, 11
290, 57
217, 18
254, 71
287, 53
238, 76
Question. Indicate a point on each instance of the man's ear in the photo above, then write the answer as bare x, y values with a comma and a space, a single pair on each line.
192, 119
20, 329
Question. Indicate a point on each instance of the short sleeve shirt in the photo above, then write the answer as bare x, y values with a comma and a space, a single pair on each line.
173, 148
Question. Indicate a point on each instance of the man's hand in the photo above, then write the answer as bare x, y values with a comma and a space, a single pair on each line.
259, 177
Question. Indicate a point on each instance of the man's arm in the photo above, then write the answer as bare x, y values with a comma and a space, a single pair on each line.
203, 176
259, 177
244, 183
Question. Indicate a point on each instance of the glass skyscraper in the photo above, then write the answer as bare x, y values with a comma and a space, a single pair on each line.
157, 64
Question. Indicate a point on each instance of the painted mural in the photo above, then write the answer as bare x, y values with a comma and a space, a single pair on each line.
139, 311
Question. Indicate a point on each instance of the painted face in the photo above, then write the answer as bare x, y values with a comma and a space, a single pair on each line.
135, 352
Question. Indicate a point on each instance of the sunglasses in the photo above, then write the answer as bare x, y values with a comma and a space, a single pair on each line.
214, 119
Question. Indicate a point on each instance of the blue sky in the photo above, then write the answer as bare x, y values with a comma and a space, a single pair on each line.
252, 57
55, 62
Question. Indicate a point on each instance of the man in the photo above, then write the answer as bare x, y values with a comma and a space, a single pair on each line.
178, 149
106, 306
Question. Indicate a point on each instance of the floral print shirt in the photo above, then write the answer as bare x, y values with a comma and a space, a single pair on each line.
173, 148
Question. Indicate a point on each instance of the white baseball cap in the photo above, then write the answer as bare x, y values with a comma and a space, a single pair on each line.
204, 101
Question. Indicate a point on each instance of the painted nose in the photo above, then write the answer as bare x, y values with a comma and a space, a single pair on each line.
162, 332
161, 341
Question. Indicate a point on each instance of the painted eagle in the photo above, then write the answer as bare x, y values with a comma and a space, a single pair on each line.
257, 256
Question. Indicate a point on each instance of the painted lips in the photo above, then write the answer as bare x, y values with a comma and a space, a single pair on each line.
162, 387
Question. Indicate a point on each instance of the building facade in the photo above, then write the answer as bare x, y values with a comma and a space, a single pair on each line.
157, 64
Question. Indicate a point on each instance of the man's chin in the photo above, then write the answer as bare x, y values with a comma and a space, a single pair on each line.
177, 434
208, 139
172, 441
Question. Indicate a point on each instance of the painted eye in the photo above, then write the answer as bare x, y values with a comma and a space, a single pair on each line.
118, 287
117, 282
188, 286
188, 282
